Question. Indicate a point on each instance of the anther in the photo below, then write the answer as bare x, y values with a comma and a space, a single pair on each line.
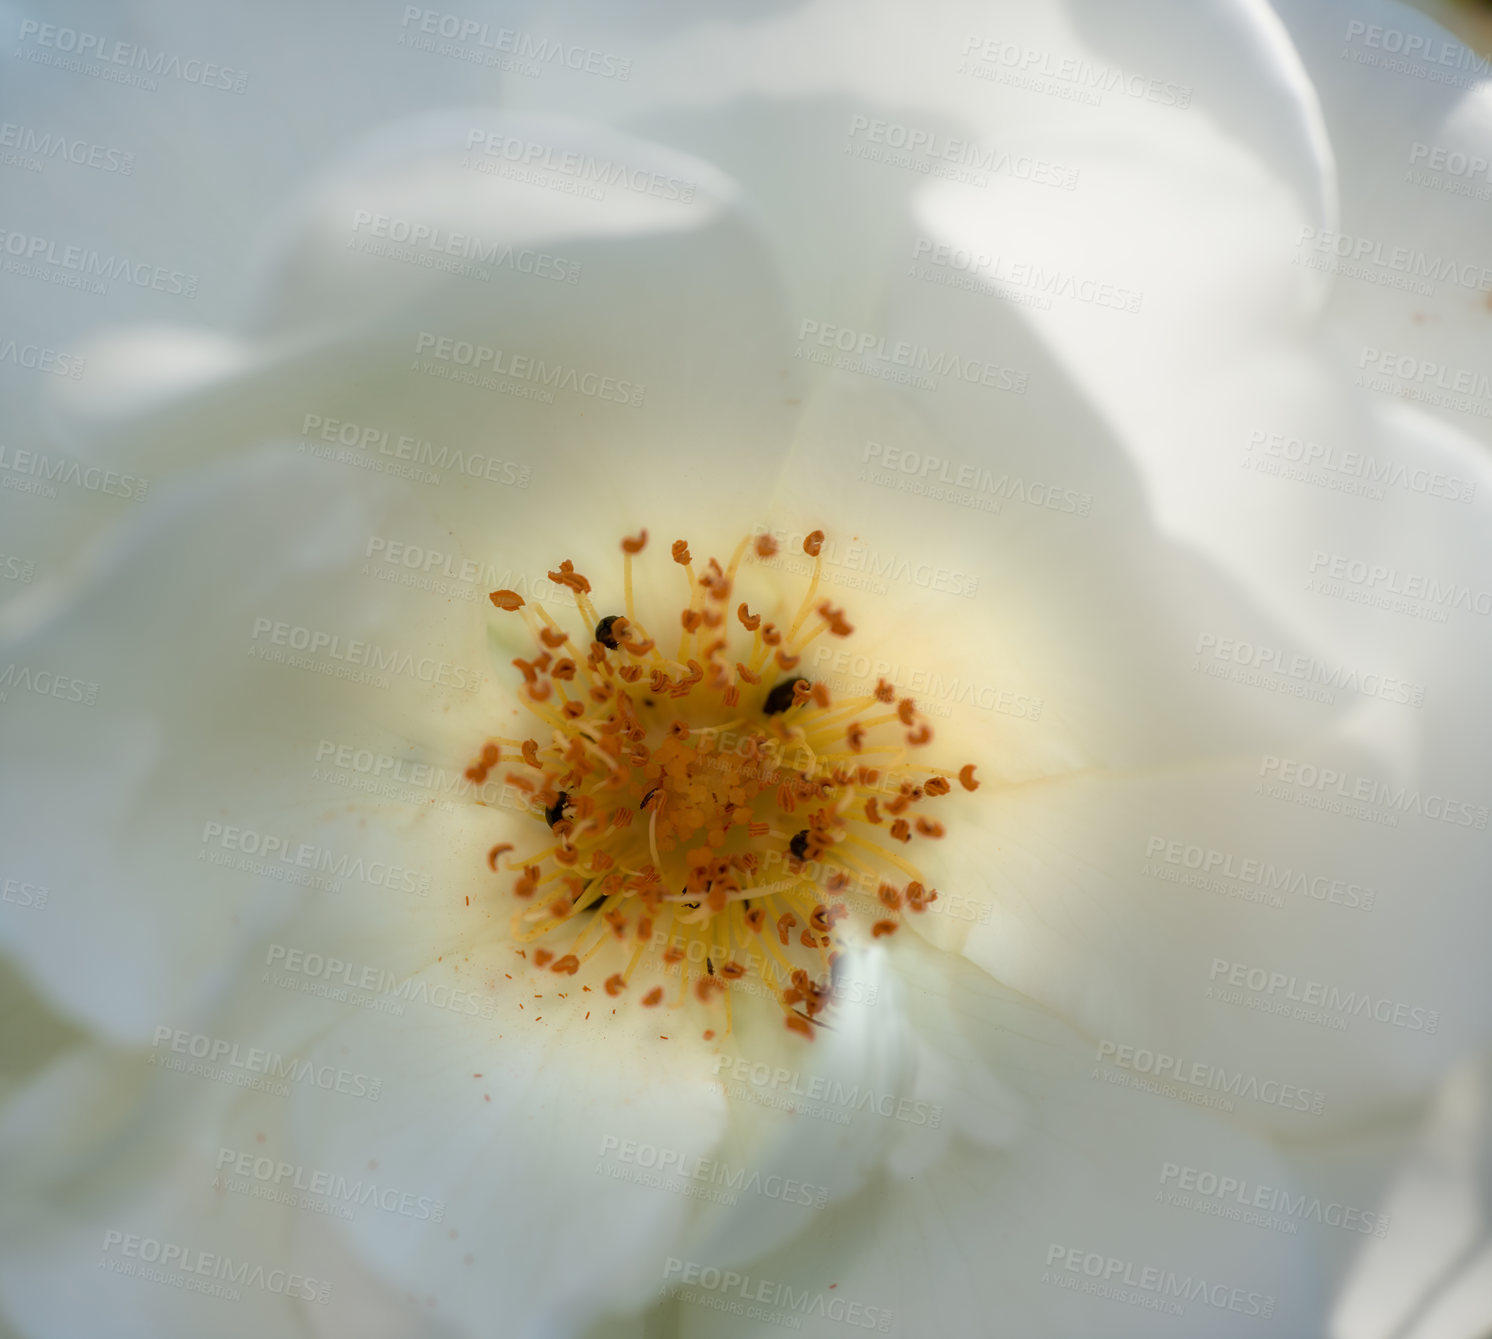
782, 696
506, 599
681, 552
605, 632
813, 543
631, 545
966, 777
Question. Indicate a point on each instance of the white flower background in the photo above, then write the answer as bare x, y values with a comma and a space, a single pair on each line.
807, 177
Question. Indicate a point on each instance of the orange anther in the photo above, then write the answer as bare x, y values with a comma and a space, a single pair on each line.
855, 736
766, 546
882, 928
835, 619
885, 692
630, 673
872, 810
563, 669
553, 636
690, 618
567, 966
785, 922
786, 661
654, 996
543, 957
813, 543
966, 777
506, 599
500, 849
530, 752
568, 576
920, 735
751, 622
928, 828
906, 709
615, 984
797, 1023
937, 785
820, 694
681, 552
635, 545
901, 830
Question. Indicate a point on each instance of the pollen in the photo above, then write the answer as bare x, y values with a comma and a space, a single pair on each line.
707, 822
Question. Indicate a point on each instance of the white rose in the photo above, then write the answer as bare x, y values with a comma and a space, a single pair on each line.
1083, 414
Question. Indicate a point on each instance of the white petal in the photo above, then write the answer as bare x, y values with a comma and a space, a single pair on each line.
145, 714
980, 1237
1410, 119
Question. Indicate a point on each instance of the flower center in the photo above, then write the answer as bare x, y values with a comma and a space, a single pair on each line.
712, 816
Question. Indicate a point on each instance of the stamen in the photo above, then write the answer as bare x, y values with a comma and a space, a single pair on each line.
738, 771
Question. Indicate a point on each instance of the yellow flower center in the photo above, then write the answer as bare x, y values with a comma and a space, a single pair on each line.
705, 802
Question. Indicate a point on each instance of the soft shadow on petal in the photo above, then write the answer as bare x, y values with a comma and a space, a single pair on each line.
172, 711
628, 347
1409, 113
1003, 1230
